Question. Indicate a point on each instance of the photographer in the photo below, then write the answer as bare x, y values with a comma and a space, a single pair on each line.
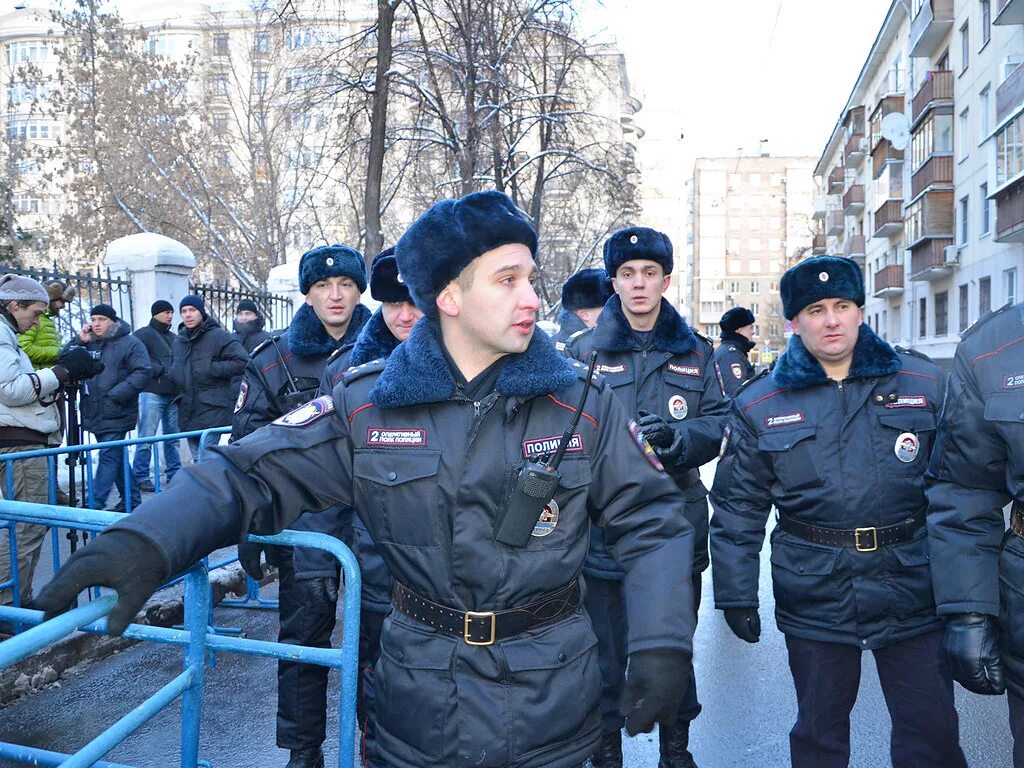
29, 417
110, 402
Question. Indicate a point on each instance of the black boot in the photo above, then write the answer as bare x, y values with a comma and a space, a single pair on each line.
673, 742
609, 754
313, 757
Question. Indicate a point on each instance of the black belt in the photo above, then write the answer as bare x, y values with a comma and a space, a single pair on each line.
861, 539
1017, 519
487, 627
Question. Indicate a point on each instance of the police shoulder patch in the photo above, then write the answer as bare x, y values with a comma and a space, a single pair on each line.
359, 371
308, 413
644, 446
339, 351
243, 394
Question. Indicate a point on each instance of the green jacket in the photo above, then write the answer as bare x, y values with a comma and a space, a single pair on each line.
41, 342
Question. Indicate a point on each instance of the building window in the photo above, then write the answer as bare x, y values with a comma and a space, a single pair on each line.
773, 329
755, 179
754, 244
986, 21
922, 318
220, 124
984, 296
260, 78
734, 288
261, 43
755, 287
754, 222
965, 217
965, 46
942, 313
27, 50
755, 309
299, 38
964, 306
26, 204
219, 84
965, 134
984, 118
754, 266
1010, 285
1010, 151
934, 136
985, 219
221, 42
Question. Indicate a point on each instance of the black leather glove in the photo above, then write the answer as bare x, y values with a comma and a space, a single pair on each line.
745, 623
666, 441
79, 364
656, 681
971, 652
121, 560
249, 553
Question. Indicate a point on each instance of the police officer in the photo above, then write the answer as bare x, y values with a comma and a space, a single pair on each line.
583, 297
487, 659
662, 372
837, 437
732, 357
282, 373
976, 469
386, 329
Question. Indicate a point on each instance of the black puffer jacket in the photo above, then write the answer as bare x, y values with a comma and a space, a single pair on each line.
205, 362
159, 343
251, 334
110, 400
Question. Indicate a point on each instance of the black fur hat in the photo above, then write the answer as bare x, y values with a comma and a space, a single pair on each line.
820, 277
737, 317
587, 289
385, 282
331, 261
445, 239
637, 243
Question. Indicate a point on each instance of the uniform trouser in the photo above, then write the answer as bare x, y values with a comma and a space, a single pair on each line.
307, 609
1017, 728
371, 623
918, 694
606, 606
30, 484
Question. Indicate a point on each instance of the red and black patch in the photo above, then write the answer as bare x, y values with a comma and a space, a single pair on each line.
536, 447
396, 438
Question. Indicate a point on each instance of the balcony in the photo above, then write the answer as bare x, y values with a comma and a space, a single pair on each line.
818, 247
1010, 12
1010, 94
937, 171
1010, 214
929, 28
889, 219
835, 223
853, 248
928, 260
884, 153
888, 281
836, 180
853, 200
935, 92
820, 207
853, 154
930, 217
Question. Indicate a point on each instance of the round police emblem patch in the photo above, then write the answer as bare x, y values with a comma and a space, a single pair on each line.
823, 276
243, 393
737, 370
677, 407
907, 447
548, 520
308, 413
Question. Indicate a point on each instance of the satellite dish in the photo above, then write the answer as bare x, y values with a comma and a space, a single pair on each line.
896, 128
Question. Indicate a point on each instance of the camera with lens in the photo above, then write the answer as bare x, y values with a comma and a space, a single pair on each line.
80, 363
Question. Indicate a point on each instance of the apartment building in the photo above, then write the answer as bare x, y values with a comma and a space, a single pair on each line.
750, 221
918, 164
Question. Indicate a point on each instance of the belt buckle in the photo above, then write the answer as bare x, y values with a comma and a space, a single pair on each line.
476, 615
858, 532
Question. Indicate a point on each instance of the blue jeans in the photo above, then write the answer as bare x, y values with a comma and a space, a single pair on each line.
110, 472
157, 411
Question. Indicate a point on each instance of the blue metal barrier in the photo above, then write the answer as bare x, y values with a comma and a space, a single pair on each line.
195, 637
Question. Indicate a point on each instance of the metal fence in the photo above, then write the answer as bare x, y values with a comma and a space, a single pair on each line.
222, 300
90, 290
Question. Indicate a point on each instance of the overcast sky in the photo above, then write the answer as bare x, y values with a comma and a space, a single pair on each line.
738, 71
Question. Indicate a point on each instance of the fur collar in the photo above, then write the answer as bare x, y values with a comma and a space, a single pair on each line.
568, 324
375, 342
417, 372
671, 333
307, 336
872, 357
741, 341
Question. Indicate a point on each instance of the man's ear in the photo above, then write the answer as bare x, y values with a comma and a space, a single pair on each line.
449, 300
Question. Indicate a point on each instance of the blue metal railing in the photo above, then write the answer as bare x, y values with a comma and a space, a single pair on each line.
195, 637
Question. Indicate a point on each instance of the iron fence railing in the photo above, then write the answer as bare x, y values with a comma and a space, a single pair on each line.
222, 300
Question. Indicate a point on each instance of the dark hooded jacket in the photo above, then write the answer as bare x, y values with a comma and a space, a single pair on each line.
159, 343
674, 377
205, 360
428, 470
110, 400
827, 453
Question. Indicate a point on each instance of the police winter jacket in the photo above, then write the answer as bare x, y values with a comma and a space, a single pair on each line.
204, 362
110, 399
159, 343
733, 365
841, 455
674, 378
42, 342
568, 324
977, 467
428, 471
375, 342
280, 375
19, 400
